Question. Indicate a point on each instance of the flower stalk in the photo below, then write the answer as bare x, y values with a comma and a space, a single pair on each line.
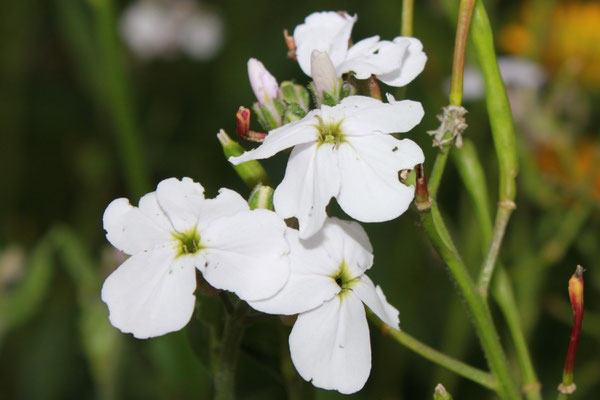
503, 134
483, 378
436, 230
567, 385
224, 378
407, 17
251, 172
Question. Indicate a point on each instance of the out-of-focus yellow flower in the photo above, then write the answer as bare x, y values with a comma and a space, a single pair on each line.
570, 38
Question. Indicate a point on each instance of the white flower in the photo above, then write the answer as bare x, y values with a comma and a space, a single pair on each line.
345, 152
158, 28
395, 63
330, 343
176, 230
264, 85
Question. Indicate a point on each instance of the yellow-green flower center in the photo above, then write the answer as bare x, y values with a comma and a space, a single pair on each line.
343, 278
330, 132
188, 242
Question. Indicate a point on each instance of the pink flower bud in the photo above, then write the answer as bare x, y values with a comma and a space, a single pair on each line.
263, 83
323, 72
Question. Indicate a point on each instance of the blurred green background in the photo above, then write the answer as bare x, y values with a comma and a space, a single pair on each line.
84, 120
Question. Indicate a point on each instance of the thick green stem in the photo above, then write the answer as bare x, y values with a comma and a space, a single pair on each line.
476, 375
503, 133
118, 99
471, 174
504, 296
482, 319
407, 17
224, 378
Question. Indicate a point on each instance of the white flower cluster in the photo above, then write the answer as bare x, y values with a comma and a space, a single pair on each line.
344, 150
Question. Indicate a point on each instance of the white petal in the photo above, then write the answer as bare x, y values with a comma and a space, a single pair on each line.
372, 57
311, 180
132, 229
374, 298
184, 203
370, 190
297, 132
347, 242
412, 64
330, 345
324, 31
310, 282
246, 254
365, 119
150, 294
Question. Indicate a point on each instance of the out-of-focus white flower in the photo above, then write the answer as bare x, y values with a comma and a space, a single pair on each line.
175, 231
264, 85
330, 344
160, 28
516, 72
346, 152
395, 63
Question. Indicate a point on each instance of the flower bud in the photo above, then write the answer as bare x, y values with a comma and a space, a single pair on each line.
295, 94
261, 197
251, 172
263, 83
243, 121
323, 72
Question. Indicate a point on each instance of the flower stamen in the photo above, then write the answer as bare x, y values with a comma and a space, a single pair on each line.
189, 242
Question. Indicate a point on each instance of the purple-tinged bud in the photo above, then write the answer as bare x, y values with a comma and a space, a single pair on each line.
263, 83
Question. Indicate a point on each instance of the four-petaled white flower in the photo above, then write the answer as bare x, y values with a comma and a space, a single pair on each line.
395, 63
327, 287
345, 152
176, 230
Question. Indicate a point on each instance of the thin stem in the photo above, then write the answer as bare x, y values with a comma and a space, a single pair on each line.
487, 269
407, 17
482, 319
503, 133
456, 88
460, 46
476, 375
224, 378
118, 100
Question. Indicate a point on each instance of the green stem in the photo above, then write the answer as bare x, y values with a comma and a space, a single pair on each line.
118, 99
503, 133
456, 88
435, 178
407, 17
460, 46
482, 319
476, 375
504, 296
224, 378
471, 172
487, 268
